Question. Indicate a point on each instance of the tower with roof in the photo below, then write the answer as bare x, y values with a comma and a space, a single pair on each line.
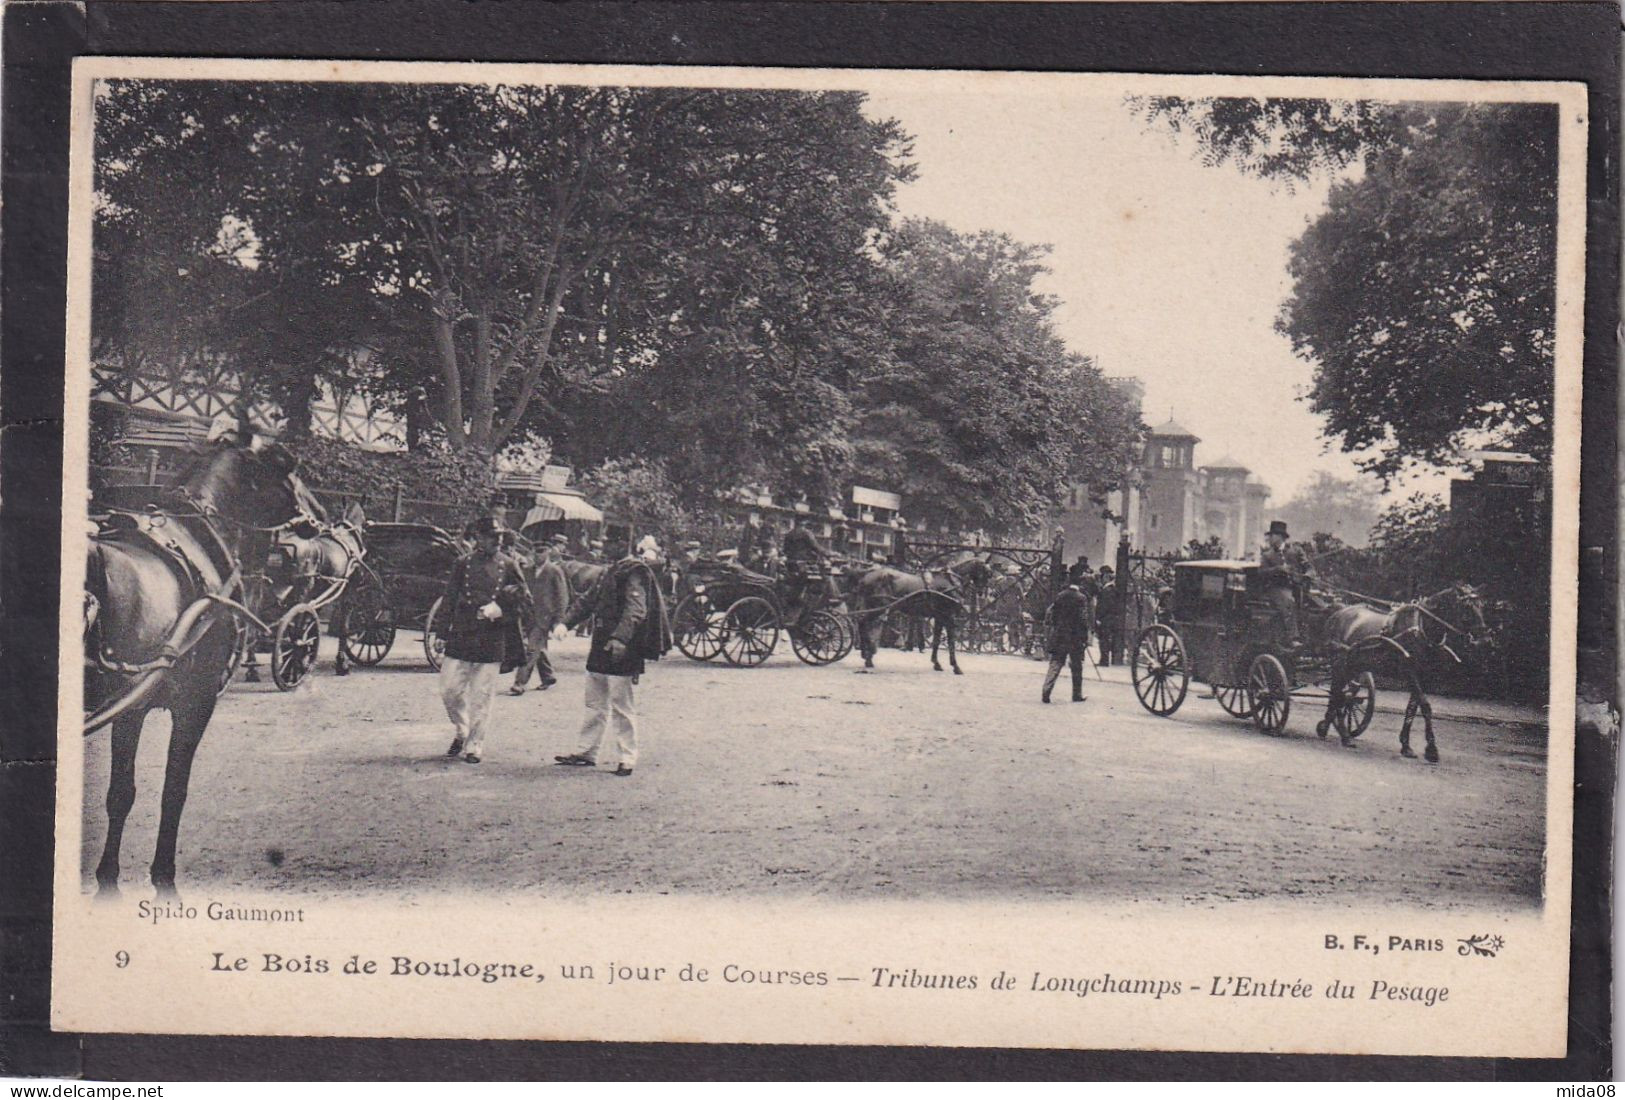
1171, 489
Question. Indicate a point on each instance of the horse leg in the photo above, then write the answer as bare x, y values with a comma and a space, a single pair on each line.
189, 719
1410, 716
936, 642
1431, 753
866, 641
953, 657
126, 738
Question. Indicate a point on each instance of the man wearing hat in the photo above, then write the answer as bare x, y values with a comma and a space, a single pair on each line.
1108, 614
550, 599
1068, 640
629, 627
1281, 568
485, 597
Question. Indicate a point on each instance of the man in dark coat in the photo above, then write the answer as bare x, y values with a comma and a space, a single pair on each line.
1068, 639
486, 600
628, 627
802, 556
1108, 614
1281, 569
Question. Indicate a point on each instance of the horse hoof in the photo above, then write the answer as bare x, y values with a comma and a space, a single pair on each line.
1320, 730
959, 672
1431, 756
107, 891
1407, 753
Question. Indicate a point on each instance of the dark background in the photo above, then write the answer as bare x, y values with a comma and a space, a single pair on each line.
1562, 41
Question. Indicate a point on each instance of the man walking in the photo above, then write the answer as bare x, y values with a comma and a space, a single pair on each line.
485, 598
628, 627
1068, 639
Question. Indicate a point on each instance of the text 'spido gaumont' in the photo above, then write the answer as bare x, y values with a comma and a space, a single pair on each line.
157, 912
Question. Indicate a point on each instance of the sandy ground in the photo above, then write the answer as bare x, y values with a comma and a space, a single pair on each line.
800, 781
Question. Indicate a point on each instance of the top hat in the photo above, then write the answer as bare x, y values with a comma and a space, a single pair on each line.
1278, 527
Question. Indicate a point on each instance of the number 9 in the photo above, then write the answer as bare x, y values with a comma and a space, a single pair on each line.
122, 959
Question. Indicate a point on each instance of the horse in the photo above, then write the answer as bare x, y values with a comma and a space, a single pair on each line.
157, 634
878, 590
1407, 638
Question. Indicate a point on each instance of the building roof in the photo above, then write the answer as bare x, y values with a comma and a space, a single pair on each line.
1226, 463
1172, 430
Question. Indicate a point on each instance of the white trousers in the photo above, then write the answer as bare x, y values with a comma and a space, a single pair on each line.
467, 689
610, 702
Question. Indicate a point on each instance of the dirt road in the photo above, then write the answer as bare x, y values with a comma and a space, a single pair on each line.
793, 780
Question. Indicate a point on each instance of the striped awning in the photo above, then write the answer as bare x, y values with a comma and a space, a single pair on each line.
561, 506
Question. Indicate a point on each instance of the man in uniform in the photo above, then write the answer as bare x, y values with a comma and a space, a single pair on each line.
1068, 639
1282, 569
628, 627
1108, 614
485, 598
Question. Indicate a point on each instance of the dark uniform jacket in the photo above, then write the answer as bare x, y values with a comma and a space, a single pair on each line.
1069, 622
1106, 605
624, 606
800, 548
1282, 568
477, 579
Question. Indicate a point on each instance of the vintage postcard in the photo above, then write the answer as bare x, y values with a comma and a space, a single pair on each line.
820, 556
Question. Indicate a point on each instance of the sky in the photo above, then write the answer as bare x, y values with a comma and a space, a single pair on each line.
1167, 270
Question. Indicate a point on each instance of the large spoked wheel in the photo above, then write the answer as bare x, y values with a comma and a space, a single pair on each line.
434, 646
750, 632
1359, 704
1233, 698
239, 646
367, 629
1269, 693
696, 627
821, 638
1161, 673
294, 646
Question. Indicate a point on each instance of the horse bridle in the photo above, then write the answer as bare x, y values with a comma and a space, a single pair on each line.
1450, 628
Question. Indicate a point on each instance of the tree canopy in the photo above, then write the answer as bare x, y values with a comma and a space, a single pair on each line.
1425, 294
980, 415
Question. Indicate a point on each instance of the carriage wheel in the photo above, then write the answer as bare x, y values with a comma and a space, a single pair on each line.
820, 639
696, 627
1269, 693
1161, 673
750, 632
434, 646
1233, 698
239, 646
1359, 704
294, 646
366, 627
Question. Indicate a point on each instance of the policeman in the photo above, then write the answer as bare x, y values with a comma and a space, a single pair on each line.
1108, 614
1281, 568
485, 598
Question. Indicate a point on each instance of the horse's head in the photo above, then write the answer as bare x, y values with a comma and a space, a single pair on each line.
975, 573
1458, 613
256, 485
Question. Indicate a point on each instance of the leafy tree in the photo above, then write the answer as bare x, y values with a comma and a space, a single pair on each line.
1342, 507
638, 490
1425, 295
980, 415
520, 259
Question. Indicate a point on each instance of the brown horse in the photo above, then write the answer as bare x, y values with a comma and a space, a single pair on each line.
1407, 640
877, 591
156, 635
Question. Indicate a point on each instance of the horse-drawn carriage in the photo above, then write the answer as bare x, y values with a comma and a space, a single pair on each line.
1220, 629
408, 566
308, 566
729, 610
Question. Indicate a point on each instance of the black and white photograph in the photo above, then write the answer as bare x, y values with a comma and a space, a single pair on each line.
997, 496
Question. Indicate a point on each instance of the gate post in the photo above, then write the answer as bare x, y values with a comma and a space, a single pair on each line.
400, 492
1122, 599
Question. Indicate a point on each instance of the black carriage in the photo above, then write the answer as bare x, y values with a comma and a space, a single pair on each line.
728, 610
409, 564
1219, 628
